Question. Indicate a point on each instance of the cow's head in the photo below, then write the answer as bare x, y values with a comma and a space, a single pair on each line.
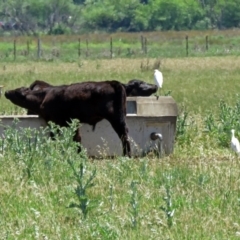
26, 98
139, 88
17, 96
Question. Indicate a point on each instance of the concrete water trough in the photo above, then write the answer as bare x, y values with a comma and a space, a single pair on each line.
151, 122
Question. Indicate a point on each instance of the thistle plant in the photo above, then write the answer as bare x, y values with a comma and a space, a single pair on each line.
143, 169
111, 197
182, 128
84, 182
134, 204
64, 135
168, 209
227, 119
182, 123
23, 143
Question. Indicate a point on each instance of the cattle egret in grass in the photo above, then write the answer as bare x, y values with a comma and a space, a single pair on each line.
235, 143
158, 78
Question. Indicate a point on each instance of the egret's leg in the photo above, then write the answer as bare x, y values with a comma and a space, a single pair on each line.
158, 93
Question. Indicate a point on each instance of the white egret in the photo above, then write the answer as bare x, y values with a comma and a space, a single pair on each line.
235, 143
158, 78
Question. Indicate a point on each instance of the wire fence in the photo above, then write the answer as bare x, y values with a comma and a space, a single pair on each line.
65, 49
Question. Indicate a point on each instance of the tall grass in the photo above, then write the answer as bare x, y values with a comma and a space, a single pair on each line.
177, 197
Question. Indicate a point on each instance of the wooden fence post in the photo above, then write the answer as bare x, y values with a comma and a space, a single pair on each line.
86, 47
28, 47
145, 45
207, 43
142, 43
187, 45
39, 48
79, 47
111, 48
14, 49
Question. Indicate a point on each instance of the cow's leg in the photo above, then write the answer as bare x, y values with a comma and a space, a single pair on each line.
122, 131
77, 138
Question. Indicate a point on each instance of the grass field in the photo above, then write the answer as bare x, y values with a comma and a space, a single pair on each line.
50, 192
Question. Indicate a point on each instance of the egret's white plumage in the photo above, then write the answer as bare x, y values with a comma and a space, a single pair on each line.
235, 143
158, 78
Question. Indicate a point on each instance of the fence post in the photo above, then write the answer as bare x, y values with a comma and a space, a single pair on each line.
39, 48
111, 48
145, 45
187, 45
207, 43
14, 49
142, 43
79, 47
28, 48
86, 47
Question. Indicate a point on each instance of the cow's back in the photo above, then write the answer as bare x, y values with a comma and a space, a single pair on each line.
89, 102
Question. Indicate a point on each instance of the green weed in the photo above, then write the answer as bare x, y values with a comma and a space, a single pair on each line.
83, 183
227, 119
168, 208
134, 204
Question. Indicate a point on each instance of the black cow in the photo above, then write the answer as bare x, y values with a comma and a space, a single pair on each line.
134, 87
139, 88
89, 102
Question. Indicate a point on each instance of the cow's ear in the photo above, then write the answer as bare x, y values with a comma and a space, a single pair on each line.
132, 83
20, 93
24, 91
30, 97
24, 94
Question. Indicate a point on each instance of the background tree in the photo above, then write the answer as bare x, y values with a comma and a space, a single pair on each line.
60, 16
31, 16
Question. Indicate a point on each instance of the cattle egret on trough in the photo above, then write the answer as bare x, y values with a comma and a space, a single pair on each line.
235, 143
158, 78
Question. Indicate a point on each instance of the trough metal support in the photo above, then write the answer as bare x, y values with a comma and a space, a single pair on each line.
158, 136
